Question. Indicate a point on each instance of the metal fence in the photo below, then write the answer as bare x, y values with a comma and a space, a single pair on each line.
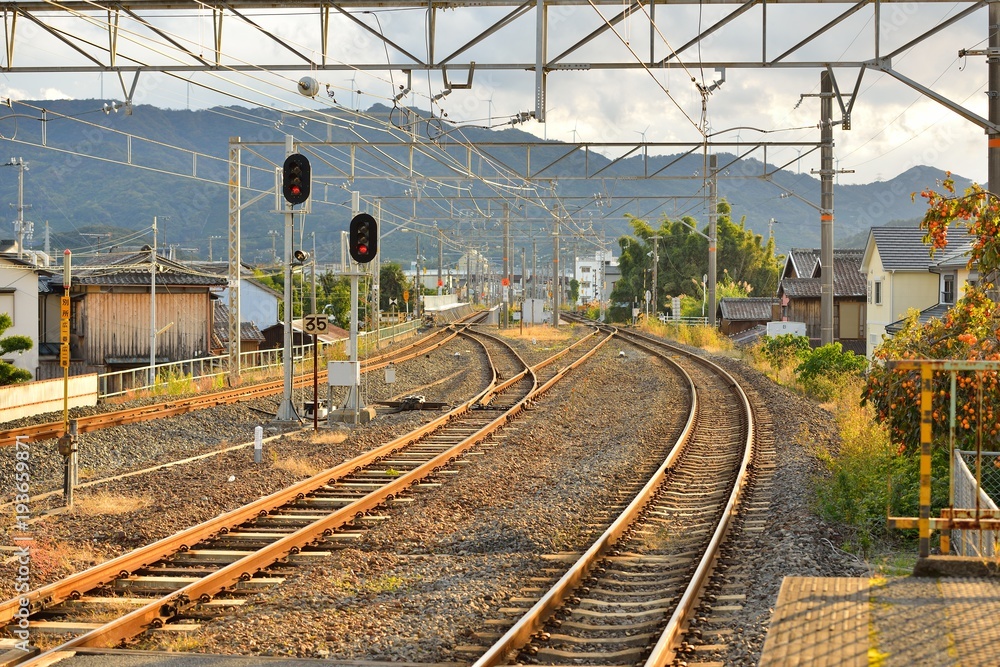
979, 543
204, 373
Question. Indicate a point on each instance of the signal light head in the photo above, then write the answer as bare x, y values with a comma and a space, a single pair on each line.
363, 238
295, 178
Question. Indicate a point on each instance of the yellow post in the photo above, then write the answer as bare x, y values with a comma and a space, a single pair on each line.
64, 312
926, 419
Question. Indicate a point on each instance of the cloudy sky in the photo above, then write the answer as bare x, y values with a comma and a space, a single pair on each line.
894, 126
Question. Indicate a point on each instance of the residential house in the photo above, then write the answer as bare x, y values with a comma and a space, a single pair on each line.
21, 283
897, 266
954, 276
251, 337
800, 295
111, 303
739, 314
258, 303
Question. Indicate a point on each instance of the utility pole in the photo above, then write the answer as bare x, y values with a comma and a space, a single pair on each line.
555, 274
534, 280
440, 261
314, 273
656, 262
713, 219
993, 64
505, 284
152, 309
418, 281
523, 272
22, 166
826, 173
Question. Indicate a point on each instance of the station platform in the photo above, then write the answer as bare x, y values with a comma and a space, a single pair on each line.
945, 617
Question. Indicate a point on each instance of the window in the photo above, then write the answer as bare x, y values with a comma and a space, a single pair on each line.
948, 289
877, 293
7, 304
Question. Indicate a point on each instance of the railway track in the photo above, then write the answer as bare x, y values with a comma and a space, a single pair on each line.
87, 424
630, 597
204, 569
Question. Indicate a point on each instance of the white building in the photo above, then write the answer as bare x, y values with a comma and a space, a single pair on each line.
596, 276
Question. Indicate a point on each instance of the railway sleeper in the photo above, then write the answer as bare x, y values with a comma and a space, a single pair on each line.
591, 657
641, 639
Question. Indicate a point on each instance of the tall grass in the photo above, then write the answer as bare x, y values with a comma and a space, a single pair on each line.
707, 338
854, 490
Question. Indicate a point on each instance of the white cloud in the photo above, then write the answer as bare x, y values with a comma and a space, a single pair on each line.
894, 126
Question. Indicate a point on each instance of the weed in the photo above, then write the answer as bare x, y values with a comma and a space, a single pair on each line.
102, 502
187, 643
297, 466
328, 437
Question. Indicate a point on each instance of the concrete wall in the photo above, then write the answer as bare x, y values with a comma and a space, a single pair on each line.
28, 399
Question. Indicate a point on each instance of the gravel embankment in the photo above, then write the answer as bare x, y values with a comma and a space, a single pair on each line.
422, 584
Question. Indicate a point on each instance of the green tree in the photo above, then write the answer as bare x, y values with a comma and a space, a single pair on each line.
10, 374
392, 283
682, 253
574, 291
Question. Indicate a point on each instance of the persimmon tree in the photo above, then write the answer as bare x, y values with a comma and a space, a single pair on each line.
970, 330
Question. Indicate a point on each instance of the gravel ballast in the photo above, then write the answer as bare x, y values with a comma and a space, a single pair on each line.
440, 570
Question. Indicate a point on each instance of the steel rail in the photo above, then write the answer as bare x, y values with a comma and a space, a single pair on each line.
144, 556
530, 623
92, 423
662, 652
158, 611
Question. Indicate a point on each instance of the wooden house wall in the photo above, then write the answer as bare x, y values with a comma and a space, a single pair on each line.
116, 324
809, 311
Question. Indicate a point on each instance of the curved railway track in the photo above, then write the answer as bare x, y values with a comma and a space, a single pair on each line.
89, 423
631, 595
204, 568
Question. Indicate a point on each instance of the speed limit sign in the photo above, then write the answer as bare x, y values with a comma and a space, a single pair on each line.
315, 324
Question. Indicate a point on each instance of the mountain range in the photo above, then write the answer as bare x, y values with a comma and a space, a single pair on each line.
97, 177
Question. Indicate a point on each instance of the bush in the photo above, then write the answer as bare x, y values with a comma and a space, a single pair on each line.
780, 351
830, 361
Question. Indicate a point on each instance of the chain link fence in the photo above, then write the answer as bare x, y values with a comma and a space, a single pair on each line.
979, 543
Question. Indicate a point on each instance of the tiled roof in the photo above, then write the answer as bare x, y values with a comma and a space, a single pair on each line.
902, 248
220, 327
802, 261
742, 309
134, 270
955, 255
848, 281
222, 269
926, 315
802, 288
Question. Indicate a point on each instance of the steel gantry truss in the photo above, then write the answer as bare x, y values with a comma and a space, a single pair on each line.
131, 38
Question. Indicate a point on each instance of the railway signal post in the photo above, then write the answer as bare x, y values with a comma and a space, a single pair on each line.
295, 186
362, 247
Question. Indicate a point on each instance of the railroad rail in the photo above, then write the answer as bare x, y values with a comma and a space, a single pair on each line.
86, 424
200, 570
629, 597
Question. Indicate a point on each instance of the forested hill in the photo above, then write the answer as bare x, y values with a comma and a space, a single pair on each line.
100, 174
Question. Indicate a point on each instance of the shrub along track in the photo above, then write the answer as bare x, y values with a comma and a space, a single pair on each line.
236, 550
